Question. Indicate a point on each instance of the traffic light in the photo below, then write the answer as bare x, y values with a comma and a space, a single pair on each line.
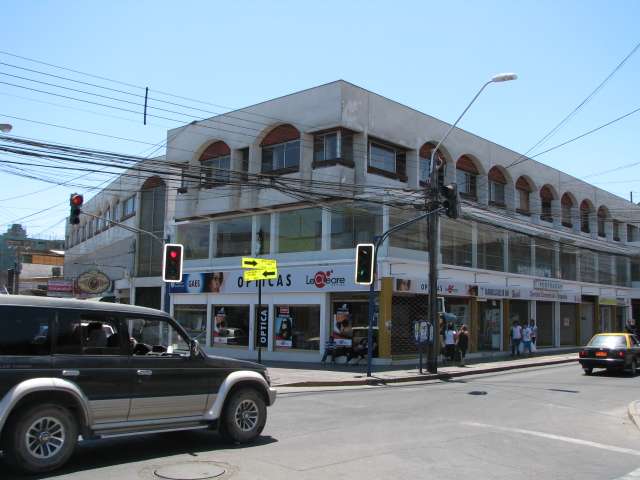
450, 200
75, 201
364, 263
172, 262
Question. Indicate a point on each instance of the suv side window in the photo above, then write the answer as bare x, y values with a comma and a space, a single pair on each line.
26, 331
151, 336
88, 333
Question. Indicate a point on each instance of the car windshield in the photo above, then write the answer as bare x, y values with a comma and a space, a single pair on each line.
608, 341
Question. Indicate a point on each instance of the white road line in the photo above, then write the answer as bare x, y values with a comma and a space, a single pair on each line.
550, 436
635, 475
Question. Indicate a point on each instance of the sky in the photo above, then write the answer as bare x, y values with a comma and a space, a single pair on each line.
432, 56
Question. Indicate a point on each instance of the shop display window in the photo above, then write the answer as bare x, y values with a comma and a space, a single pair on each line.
545, 258
544, 321
490, 248
456, 242
300, 230
193, 318
568, 324
414, 236
297, 327
230, 325
354, 224
233, 237
519, 253
489, 325
568, 262
195, 239
588, 266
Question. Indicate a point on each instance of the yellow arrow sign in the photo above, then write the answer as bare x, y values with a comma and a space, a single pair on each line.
259, 263
262, 274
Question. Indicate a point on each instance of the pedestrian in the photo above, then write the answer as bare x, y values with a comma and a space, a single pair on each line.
526, 339
329, 349
534, 334
462, 343
450, 342
516, 338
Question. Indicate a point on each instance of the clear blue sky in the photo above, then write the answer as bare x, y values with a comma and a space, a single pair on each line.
432, 56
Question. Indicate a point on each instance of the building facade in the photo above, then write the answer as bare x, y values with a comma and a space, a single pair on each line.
305, 177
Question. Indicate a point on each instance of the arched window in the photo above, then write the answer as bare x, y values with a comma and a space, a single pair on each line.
281, 150
524, 188
216, 164
602, 220
467, 178
585, 216
546, 199
497, 182
567, 210
425, 159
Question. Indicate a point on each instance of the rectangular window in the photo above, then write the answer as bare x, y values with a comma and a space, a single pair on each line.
387, 161
129, 207
284, 156
300, 230
568, 262
230, 325
616, 231
632, 233
622, 274
524, 207
545, 258
489, 325
467, 184
588, 266
29, 334
566, 216
635, 269
297, 327
193, 318
216, 170
456, 242
519, 253
546, 214
412, 237
244, 168
233, 237
325, 147
353, 224
195, 239
154, 336
263, 235
605, 267
496, 194
88, 333
490, 248
568, 324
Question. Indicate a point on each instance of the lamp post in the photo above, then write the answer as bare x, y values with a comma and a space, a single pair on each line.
432, 198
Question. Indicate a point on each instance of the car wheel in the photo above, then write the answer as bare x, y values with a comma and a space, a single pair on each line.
244, 415
634, 367
588, 370
40, 439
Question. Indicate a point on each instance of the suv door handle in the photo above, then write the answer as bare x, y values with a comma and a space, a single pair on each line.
145, 373
70, 373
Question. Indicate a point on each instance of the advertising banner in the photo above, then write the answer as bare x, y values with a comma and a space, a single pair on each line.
219, 322
284, 327
342, 326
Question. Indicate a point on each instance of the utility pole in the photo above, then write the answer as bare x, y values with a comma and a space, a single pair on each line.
432, 201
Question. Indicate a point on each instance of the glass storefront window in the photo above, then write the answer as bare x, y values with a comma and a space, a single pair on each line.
230, 325
233, 237
605, 268
568, 322
300, 230
519, 253
622, 274
490, 248
635, 269
489, 325
568, 265
193, 318
544, 322
297, 326
588, 266
195, 239
414, 236
519, 312
456, 242
355, 224
545, 258
264, 231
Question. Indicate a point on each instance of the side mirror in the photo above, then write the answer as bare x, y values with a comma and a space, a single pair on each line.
194, 348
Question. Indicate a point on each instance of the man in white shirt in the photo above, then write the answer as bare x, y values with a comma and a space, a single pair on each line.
526, 339
516, 338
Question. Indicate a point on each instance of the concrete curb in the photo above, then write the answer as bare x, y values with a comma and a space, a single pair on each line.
634, 412
418, 378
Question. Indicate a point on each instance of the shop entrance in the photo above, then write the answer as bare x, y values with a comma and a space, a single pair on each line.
588, 311
607, 323
544, 321
489, 325
350, 322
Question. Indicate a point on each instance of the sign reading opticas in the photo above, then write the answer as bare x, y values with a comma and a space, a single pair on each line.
290, 279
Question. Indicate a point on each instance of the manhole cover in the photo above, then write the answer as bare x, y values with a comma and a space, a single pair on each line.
190, 471
477, 392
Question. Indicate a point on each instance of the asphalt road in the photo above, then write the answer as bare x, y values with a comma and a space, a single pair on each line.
548, 422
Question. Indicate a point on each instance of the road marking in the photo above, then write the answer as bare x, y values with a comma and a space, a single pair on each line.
550, 436
631, 475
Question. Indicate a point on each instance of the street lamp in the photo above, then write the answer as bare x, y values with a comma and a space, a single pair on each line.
432, 195
5, 127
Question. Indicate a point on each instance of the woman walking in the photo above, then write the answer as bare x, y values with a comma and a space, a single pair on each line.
450, 342
462, 343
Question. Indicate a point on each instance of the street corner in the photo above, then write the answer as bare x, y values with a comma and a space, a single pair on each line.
634, 412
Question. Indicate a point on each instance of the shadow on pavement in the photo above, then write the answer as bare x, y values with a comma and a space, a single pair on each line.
96, 454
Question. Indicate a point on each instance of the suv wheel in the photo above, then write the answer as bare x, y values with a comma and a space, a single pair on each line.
40, 438
245, 415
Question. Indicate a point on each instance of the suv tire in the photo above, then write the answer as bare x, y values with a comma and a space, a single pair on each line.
40, 438
244, 416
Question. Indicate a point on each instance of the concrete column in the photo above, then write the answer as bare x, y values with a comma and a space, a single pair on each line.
385, 318
556, 213
536, 206
622, 230
252, 327
505, 252
511, 197
575, 219
207, 341
533, 257
506, 325
474, 244
557, 273
274, 247
556, 324
593, 224
482, 188
608, 229
306, 156
326, 230
413, 169
213, 239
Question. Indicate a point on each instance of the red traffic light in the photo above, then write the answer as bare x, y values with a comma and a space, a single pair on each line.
173, 254
77, 200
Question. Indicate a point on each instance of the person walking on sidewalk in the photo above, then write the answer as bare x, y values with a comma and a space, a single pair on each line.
516, 338
534, 334
462, 343
526, 339
450, 342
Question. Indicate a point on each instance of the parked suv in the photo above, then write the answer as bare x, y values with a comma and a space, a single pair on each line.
71, 367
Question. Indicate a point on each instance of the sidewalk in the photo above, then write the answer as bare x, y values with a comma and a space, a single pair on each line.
284, 374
